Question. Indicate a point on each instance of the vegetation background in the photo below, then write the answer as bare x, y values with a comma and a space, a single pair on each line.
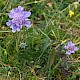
42, 57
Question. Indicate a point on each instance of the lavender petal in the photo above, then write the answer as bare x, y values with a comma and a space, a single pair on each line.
27, 23
8, 23
26, 14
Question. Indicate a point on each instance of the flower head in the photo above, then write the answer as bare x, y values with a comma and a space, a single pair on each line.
76, 4
70, 47
22, 45
71, 13
19, 17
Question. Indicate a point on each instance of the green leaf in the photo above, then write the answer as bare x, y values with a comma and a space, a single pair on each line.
51, 58
34, 78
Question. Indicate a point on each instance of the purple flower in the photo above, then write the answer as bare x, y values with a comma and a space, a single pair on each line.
19, 18
70, 47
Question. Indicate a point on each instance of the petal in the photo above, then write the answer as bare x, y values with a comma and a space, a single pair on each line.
68, 53
19, 27
20, 8
71, 51
9, 23
13, 31
12, 12
27, 23
71, 44
26, 14
66, 47
14, 28
76, 48
10, 16
11, 26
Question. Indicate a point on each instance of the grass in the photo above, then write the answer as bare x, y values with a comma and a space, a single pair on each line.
43, 57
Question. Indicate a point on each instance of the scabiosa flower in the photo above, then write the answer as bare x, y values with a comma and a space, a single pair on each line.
70, 47
19, 18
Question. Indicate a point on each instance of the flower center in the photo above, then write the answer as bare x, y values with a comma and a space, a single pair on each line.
18, 18
71, 48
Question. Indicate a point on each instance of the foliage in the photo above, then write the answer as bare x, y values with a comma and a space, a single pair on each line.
43, 57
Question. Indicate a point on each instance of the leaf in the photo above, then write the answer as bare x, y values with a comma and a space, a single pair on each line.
34, 78
37, 66
51, 58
